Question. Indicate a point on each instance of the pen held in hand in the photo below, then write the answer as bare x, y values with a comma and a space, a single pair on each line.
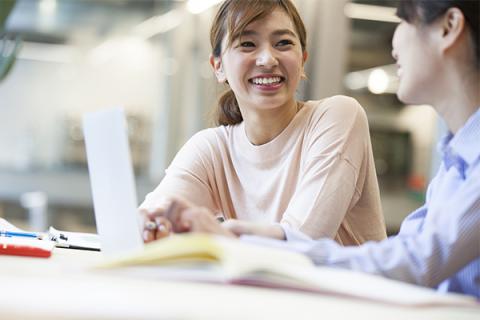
150, 225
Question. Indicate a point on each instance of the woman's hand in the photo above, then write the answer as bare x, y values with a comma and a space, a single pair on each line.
178, 215
156, 217
199, 219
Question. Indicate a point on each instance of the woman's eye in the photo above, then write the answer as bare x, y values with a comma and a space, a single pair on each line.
285, 42
247, 44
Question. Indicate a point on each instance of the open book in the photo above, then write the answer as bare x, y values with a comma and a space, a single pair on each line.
207, 258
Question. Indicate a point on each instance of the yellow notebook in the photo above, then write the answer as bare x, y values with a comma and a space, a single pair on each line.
207, 258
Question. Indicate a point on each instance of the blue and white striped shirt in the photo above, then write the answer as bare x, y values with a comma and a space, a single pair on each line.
438, 245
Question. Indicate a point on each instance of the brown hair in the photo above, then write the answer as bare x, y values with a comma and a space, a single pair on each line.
232, 18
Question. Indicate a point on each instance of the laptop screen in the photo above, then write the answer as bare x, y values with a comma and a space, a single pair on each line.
112, 181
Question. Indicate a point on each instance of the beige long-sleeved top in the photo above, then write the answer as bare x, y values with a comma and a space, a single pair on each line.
317, 175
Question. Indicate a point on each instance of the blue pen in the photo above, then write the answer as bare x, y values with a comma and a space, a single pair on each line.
18, 234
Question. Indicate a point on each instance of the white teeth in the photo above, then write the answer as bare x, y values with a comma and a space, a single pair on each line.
266, 80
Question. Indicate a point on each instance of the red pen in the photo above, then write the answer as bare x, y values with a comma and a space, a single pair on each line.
25, 247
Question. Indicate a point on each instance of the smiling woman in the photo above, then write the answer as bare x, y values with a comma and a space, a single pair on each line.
273, 159
267, 59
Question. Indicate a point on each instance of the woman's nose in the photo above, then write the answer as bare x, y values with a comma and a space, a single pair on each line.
266, 58
394, 55
395, 43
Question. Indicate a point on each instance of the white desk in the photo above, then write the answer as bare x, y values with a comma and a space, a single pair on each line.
63, 287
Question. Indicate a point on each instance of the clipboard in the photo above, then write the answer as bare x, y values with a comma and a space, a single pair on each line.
74, 240
58, 238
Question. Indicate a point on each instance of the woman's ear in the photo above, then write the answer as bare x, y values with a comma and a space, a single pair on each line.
216, 64
453, 25
305, 57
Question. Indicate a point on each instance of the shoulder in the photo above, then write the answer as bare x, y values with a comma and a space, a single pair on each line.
204, 135
338, 125
341, 106
341, 111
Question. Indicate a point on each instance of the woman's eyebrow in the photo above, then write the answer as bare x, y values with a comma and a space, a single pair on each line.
279, 32
248, 33
283, 32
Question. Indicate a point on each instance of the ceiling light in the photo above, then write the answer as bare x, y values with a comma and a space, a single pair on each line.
371, 12
198, 6
378, 81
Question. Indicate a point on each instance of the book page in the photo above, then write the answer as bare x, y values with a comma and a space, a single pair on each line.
377, 288
199, 257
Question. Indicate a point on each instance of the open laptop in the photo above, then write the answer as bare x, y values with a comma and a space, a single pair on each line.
112, 181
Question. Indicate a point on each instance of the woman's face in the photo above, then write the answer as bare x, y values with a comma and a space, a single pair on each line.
417, 60
263, 67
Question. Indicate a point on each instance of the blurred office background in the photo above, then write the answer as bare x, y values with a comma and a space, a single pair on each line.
151, 57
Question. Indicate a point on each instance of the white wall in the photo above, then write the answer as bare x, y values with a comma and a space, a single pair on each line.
38, 97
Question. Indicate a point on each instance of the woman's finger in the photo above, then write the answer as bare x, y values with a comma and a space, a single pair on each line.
148, 236
164, 227
148, 226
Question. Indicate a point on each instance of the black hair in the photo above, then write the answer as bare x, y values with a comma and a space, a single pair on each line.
427, 11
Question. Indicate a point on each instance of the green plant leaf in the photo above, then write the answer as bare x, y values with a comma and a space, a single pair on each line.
8, 53
5, 7
8, 47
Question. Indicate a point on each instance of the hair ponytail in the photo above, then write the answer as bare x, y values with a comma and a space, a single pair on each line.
228, 111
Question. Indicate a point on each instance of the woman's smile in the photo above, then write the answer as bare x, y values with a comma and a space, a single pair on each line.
267, 82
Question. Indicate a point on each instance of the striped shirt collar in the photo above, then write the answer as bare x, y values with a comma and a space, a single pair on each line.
462, 149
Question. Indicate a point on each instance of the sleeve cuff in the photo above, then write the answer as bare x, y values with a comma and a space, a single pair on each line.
319, 251
292, 235
295, 240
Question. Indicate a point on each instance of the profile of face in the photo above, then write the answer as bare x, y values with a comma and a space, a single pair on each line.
417, 55
264, 65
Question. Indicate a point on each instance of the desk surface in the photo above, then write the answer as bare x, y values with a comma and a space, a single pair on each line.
64, 287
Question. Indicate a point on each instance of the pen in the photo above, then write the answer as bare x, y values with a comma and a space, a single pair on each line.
18, 234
